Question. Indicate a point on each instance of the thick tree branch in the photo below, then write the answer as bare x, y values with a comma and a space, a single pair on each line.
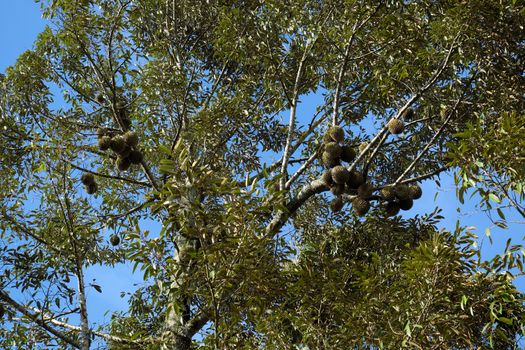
36, 319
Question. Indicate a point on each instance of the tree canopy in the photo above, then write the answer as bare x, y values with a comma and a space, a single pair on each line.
274, 143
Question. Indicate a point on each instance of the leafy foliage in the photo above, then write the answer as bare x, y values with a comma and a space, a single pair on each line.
228, 163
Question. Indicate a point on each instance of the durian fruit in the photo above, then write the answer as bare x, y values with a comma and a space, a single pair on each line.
415, 191
337, 189
396, 126
340, 175
87, 178
408, 114
327, 138
328, 161
135, 156
104, 143
388, 193
355, 180
327, 178
402, 191
100, 98
122, 164
347, 154
406, 204
333, 149
131, 138
360, 206
126, 123
365, 191
392, 208
92, 188
336, 204
102, 132
362, 146
117, 144
114, 240
337, 133
125, 152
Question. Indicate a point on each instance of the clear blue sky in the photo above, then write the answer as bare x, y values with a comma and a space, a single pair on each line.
20, 22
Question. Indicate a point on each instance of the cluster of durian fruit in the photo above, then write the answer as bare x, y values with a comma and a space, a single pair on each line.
338, 178
353, 183
399, 197
123, 145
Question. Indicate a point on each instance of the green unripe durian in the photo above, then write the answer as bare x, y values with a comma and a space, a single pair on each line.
92, 188
117, 144
347, 154
104, 143
328, 161
336, 204
131, 138
365, 191
396, 126
388, 193
415, 192
340, 175
406, 204
135, 157
327, 178
356, 179
392, 208
360, 206
87, 178
402, 191
122, 164
337, 133
333, 149
337, 189
114, 240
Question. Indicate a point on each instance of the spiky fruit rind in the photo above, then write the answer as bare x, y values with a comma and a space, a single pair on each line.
114, 240
409, 113
392, 208
355, 180
122, 164
340, 174
406, 204
337, 189
333, 149
415, 192
347, 154
337, 133
360, 206
102, 132
336, 204
365, 191
104, 142
396, 126
327, 178
87, 178
402, 191
131, 138
92, 188
117, 144
125, 152
327, 138
328, 161
388, 193
135, 156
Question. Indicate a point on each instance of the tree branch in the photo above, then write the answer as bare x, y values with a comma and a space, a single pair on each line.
23, 310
